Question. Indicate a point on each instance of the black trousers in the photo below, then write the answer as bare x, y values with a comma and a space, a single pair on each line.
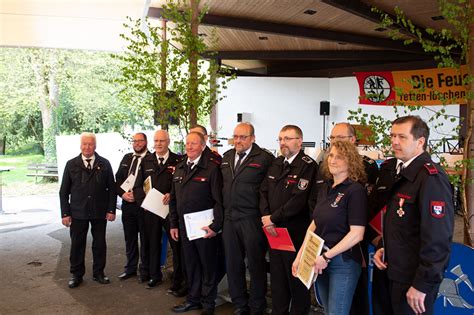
153, 234
399, 300
200, 261
78, 232
178, 280
287, 289
245, 239
134, 229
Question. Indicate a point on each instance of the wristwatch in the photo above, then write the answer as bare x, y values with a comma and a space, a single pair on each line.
325, 258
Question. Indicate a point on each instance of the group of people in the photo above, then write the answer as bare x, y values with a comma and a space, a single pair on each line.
251, 193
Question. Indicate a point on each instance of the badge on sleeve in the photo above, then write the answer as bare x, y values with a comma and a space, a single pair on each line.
303, 184
437, 209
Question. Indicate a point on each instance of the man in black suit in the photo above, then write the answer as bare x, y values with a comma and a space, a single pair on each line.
159, 166
284, 203
197, 184
243, 170
88, 197
132, 214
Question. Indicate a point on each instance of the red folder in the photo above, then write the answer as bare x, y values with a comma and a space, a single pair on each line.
377, 221
282, 241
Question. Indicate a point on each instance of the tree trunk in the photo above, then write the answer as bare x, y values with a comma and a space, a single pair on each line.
469, 152
193, 65
44, 67
164, 113
213, 89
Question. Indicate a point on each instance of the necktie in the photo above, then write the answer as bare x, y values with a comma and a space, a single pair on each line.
239, 161
400, 167
161, 159
89, 166
133, 168
286, 166
190, 167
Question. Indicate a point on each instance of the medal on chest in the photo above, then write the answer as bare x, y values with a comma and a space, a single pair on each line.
400, 210
337, 200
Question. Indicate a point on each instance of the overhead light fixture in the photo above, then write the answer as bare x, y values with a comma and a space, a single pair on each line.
310, 12
263, 38
437, 18
380, 29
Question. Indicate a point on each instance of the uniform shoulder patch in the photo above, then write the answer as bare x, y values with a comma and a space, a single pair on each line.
307, 159
431, 168
437, 209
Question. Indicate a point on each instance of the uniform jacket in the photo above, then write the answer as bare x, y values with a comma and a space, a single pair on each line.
161, 177
196, 191
122, 175
284, 195
241, 189
87, 194
418, 223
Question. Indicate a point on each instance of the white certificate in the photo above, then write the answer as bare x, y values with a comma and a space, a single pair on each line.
128, 183
312, 247
195, 221
153, 202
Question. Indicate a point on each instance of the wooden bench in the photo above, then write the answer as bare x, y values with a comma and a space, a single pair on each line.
43, 170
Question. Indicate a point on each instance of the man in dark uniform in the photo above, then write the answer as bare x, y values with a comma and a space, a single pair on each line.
284, 203
243, 170
132, 214
87, 197
159, 166
197, 184
419, 219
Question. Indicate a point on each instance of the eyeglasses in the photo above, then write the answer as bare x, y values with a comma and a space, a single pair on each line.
338, 137
286, 139
140, 140
241, 138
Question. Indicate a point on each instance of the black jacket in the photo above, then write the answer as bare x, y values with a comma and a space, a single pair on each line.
417, 238
87, 194
284, 195
241, 190
197, 191
122, 175
161, 177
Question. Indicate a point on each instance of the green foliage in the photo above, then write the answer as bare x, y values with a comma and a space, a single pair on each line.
149, 58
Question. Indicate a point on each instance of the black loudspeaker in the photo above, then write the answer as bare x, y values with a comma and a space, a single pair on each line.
324, 108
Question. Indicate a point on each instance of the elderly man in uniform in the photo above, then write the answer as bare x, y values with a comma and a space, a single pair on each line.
197, 184
243, 170
284, 203
87, 196
419, 219
132, 214
159, 167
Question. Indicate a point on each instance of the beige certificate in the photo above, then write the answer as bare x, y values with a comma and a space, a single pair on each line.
312, 247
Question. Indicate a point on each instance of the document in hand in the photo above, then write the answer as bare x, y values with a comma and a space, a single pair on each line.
128, 183
147, 185
153, 202
312, 247
282, 241
194, 222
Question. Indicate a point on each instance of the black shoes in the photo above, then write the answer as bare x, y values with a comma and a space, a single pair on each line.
101, 279
74, 282
143, 278
154, 282
125, 276
178, 292
186, 306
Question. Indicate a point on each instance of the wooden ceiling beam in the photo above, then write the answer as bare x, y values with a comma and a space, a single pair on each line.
298, 31
315, 55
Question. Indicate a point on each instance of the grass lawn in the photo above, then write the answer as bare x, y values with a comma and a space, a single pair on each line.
16, 183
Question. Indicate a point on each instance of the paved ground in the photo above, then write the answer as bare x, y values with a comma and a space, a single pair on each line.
34, 267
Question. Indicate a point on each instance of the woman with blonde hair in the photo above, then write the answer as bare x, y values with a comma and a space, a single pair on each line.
339, 217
